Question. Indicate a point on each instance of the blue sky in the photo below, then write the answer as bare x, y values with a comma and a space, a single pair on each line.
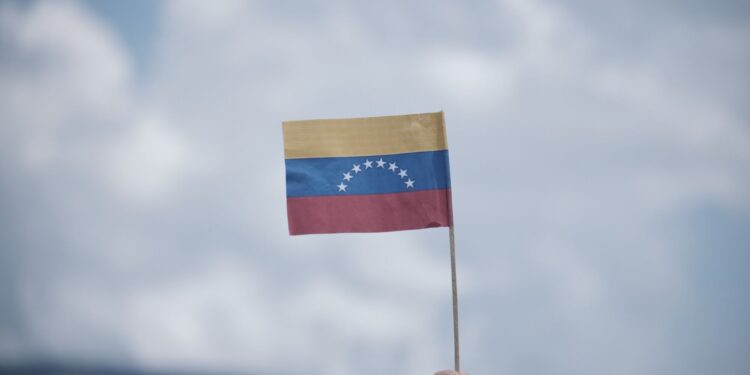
136, 24
600, 163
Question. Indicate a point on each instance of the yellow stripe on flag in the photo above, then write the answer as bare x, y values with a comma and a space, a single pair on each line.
364, 136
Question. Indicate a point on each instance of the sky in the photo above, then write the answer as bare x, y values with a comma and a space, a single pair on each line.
600, 164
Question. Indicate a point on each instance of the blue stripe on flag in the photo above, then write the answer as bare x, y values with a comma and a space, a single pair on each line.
326, 176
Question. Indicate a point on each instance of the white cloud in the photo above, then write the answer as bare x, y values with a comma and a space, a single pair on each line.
65, 70
149, 161
469, 78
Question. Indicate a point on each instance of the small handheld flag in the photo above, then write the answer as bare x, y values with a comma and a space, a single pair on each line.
373, 174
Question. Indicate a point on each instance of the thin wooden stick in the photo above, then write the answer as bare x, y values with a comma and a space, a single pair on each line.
455, 300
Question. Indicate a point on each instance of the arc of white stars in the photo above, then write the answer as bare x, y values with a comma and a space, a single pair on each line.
356, 168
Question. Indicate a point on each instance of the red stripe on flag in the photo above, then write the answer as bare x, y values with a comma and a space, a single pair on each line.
369, 213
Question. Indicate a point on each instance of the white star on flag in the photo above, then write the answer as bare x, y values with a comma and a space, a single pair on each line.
368, 164
341, 187
381, 163
356, 168
402, 173
347, 176
409, 183
392, 167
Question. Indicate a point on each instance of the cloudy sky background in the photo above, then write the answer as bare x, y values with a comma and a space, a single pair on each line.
601, 170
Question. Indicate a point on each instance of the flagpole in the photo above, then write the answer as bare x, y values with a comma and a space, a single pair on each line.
457, 358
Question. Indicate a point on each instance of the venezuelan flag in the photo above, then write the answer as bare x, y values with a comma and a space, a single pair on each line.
373, 174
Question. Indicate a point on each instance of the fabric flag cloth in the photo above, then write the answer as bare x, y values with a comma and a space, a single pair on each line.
372, 174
